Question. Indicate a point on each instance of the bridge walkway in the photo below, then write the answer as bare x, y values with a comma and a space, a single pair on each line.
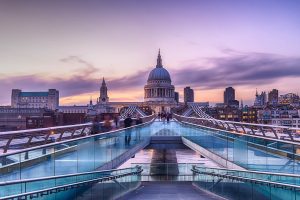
169, 191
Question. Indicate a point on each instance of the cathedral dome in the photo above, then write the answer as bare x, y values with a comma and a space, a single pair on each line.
159, 73
159, 87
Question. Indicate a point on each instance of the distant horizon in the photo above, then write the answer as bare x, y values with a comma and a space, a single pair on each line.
250, 103
70, 45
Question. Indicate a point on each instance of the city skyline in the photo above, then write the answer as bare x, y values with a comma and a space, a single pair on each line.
236, 44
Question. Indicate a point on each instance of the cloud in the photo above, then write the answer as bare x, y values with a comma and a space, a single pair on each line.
136, 80
88, 70
76, 59
237, 68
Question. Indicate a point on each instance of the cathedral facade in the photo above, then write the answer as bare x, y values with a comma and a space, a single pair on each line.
159, 93
159, 86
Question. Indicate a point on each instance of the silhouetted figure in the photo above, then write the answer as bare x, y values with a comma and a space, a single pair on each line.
95, 126
163, 117
127, 124
159, 116
116, 120
168, 117
138, 129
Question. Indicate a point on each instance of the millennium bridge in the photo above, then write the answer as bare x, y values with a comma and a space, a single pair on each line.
186, 158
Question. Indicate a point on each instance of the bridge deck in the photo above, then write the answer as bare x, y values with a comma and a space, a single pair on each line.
169, 191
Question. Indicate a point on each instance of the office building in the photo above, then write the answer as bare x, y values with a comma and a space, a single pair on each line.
49, 99
273, 97
188, 95
229, 95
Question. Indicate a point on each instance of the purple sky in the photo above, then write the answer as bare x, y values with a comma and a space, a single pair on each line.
209, 45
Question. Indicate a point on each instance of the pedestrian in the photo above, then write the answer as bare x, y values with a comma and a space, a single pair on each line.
127, 124
95, 126
138, 129
168, 117
159, 115
127, 121
163, 117
116, 120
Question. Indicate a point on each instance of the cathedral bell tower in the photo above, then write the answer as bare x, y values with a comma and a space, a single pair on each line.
103, 93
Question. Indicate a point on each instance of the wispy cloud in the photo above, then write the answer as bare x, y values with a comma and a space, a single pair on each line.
88, 68
237, 68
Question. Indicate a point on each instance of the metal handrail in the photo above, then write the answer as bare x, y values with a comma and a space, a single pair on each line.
55, 127
44, 129
72, 185
242, 123
75, 139
4, 183
249, 129
264, 182
249, 135
251, 171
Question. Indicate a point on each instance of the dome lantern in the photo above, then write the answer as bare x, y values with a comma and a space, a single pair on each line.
159, 73
159, 60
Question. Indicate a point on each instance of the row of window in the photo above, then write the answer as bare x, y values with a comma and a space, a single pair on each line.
74, 111
229, 116
19, 111
34, 98
286, 121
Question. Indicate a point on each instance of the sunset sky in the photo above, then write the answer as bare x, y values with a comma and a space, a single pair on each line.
206, 44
